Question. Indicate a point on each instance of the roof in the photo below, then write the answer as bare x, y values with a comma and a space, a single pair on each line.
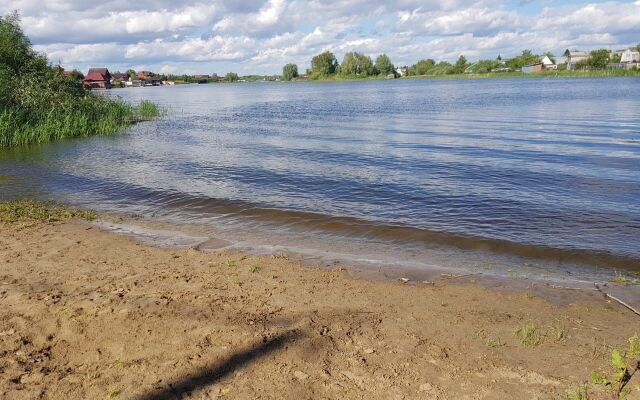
98, 74
576, 53
546, 60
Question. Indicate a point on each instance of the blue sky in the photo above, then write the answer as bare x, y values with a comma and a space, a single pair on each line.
217, 36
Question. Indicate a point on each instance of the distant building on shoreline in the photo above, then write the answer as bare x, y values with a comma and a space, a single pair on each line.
545, 63
629, 59
97, 78
630, 56
574, 56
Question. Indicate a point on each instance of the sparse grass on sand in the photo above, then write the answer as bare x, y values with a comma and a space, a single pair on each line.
40, 211
529, 335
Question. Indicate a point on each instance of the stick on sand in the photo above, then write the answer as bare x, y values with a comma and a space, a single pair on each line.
616, 299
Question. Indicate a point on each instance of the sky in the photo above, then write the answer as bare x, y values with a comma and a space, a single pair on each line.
259, 37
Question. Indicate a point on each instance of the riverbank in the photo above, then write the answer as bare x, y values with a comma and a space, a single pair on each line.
492, 75
89, 314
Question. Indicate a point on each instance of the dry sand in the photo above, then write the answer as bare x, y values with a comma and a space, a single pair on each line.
87, 314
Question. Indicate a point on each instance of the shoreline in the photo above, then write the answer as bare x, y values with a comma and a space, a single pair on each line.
470, 76
92, 314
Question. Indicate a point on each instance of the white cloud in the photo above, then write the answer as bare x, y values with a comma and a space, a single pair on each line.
181, 35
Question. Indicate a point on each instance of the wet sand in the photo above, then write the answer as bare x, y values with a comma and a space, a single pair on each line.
88, 314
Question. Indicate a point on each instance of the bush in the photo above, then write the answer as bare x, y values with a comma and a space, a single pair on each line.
39, 103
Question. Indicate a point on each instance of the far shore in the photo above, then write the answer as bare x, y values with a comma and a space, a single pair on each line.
90, 314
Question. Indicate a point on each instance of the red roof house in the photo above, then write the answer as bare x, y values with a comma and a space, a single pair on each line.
144, 75
98, 78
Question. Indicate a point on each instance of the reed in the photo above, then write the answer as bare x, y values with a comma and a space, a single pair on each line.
92, 115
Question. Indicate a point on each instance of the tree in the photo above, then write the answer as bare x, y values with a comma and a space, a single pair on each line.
599, 59
581, 65
422, 67
289, 72
615, 58
323, 65
484, 66
356, 64
131, 73
499, 58
231, 77
15, 48
460, 65
27, 81
384, 65
526, 58
77, 75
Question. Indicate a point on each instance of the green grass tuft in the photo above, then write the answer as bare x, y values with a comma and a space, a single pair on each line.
624, 280
529, 335
254, 269
39, 211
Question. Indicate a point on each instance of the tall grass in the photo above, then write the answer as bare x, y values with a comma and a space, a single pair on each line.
92, 115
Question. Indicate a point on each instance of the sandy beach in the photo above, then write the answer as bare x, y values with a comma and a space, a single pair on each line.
87, 314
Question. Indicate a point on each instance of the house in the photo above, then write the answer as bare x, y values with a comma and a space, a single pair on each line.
203, 78
97, 78
144, 75
401, 71
119, 79
630, 56
628, 59
574, 56
547, 63
119, 76
533, 68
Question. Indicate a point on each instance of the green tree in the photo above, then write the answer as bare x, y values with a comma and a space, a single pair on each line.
615, 58
422, 67
289, 72
526, 58
484, 66
599, 59
323, 65
131, 74
442, 68
16, 53
231, 77
383, 65
77, 75
26, 78
356, 64
460, 65
581, 65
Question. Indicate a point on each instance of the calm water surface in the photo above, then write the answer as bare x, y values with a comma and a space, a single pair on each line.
420, 172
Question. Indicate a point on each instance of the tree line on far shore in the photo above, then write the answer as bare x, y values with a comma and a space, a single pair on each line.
357, 65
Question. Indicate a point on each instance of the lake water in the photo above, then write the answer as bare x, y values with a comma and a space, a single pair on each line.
420, 173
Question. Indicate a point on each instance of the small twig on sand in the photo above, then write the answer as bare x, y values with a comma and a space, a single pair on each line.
607, 295
451, 276
569, 288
